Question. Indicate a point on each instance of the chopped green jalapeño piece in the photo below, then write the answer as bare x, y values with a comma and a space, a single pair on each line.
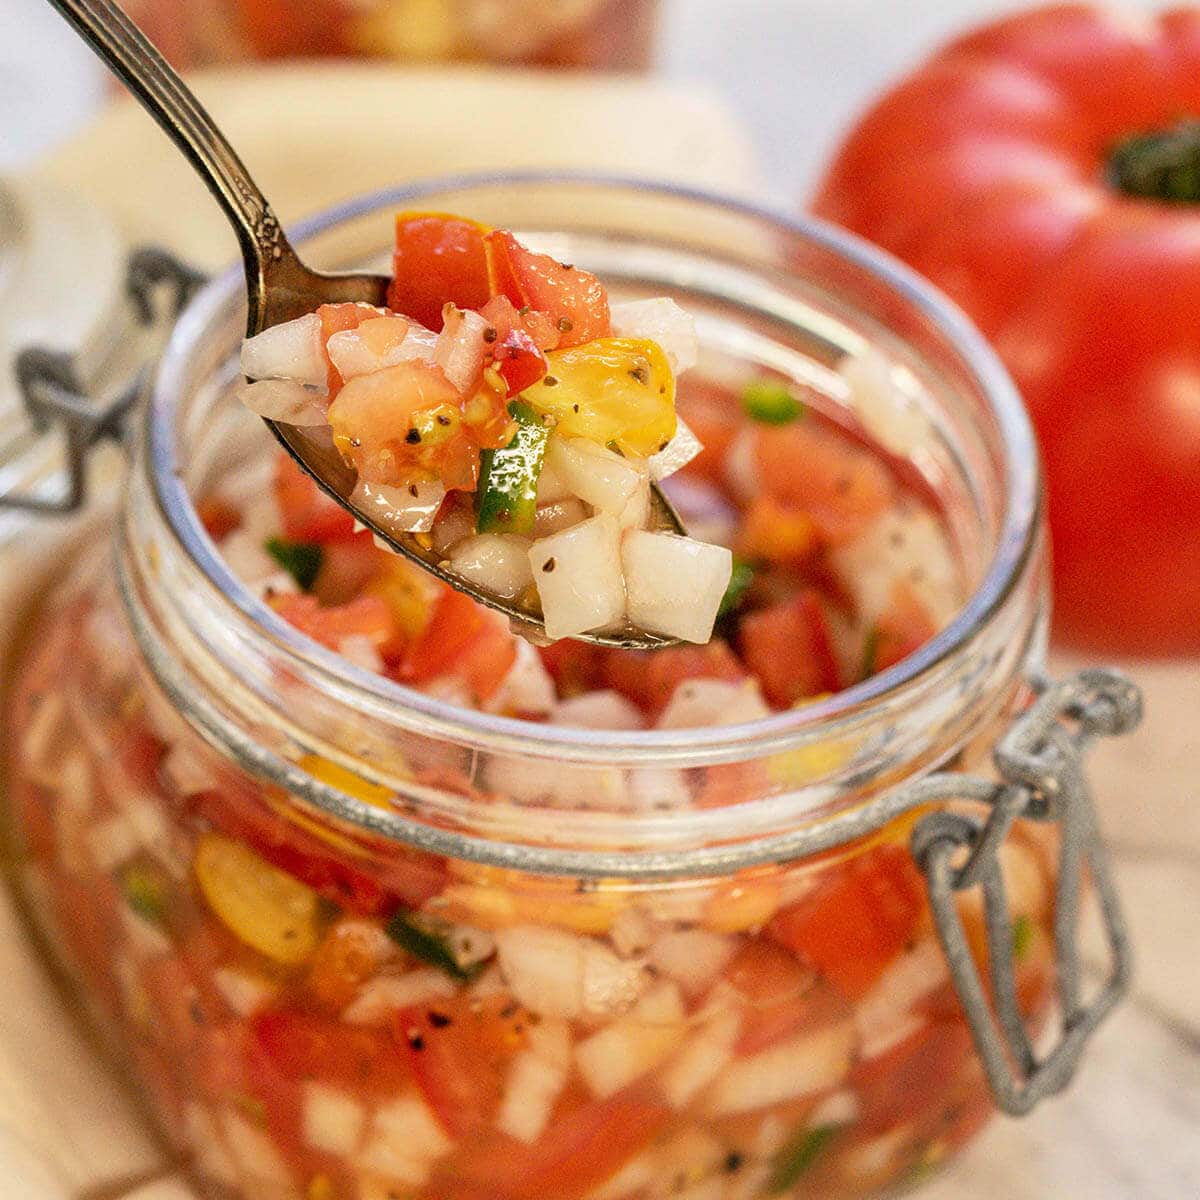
798, 1155
1022, 937
507, 497
146, 889
771, 402
301, 560
429, 946
739, 584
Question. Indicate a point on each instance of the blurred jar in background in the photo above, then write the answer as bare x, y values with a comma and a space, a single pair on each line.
607, 34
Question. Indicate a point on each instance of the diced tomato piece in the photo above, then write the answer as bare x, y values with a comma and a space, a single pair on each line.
304, 1046
774, 986
347, 568
365, 616
715, 418
649, 677
519, 361
463, 638
788, 647
345, 959
904, 1083
776, 532
308, 514
336, 318
843, 487
218, 516
857, 918
439, 259
902, 628
503, 316
573, 299
574, 666
580, 1150
459, 1051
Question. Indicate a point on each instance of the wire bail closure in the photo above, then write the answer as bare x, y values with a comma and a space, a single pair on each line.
1040, 763
53, 393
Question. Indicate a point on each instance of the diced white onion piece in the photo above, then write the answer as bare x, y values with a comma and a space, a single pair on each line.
406, 509
661, 1005
494, 562
561, 514
696, 703
73, 812
578, 577
803, 1066
741, 470
360, 650
663, 321
112, 842
382, 996
540, 780
635, 513
212, 1161
247, 558
255, 1152
593, 473
543, 968
527, 690
701, 1060
677, 453
333, 1121
385, 1166
378, 344
624, 1051
610, 984
551, 487
187, 772
460, 348
838, 1108
658, 789
550, 1040
870, 1164
243, 991
904, 543
41, 752
146, 939
884, 1016
691, 1154
674, 584
409, 1124
531, 1089
891, 416
636, 1178
632, 932
285, 401
598, 710
291, 350
1025, 886
456, 522
691, 957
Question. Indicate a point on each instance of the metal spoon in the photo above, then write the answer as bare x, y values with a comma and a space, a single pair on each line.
280, 287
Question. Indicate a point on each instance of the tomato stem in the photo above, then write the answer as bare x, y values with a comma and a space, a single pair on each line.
1161, 164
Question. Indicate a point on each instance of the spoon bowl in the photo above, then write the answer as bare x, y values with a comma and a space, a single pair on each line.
280, 287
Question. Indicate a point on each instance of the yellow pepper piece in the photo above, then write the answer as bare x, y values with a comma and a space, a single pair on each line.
409, 592
261, 905
336, 776
743, 904
616, 391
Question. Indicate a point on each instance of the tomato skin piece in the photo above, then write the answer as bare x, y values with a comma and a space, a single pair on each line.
857, 919
1088, 293
789, 649
337, 318
574, 299
519, 361
439, 259
364, 616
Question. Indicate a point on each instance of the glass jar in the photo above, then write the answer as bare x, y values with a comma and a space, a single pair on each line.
604, 34
353, 943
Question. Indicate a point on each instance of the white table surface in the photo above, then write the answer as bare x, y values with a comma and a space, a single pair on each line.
795, 72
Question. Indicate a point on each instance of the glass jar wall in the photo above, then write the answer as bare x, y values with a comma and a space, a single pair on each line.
354, 943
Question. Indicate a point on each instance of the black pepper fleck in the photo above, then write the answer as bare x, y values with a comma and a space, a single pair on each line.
550, 381
416, 1041
412, 490
443, 419
640, 374
356, 442
565, 324
549, 565
733, 1161
567, 266
412, 437
490, 335
523, 311
574, 407
438, 1020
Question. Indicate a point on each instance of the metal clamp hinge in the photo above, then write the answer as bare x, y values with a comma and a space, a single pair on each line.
55, 397
1039, 761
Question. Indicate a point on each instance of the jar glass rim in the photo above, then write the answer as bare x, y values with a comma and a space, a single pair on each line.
1019, 466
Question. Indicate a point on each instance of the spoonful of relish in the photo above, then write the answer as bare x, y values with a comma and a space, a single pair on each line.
483, 410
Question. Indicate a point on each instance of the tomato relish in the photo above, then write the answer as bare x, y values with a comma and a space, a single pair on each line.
500, 408
317, 1015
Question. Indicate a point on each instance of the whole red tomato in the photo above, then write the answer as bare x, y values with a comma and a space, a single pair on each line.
1045, 172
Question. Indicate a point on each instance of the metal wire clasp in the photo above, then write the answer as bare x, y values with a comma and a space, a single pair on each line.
1040, 764
55, 397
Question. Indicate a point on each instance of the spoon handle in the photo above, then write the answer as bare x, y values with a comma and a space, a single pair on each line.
134, 60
